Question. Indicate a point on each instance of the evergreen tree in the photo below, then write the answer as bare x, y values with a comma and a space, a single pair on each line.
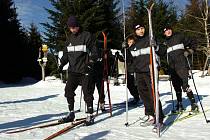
57, 31
34, 44
94, 16
12, 37
102, 16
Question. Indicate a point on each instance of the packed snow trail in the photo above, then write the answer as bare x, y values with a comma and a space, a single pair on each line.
25, 105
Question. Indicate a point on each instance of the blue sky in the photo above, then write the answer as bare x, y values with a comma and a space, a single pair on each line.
33, 11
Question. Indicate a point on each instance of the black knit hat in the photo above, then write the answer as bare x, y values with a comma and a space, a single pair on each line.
72, 22
138, 25
167, 28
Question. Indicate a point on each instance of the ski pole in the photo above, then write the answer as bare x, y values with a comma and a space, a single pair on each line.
207, 121
56, 61
126, 90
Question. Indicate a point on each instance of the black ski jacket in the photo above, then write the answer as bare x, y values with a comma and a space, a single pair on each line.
140, 51
175, 47
129, 61
80, 52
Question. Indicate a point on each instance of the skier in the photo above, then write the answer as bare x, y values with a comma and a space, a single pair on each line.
178, 48
140, 52
100, 69
130, 72
98, 79
80, 53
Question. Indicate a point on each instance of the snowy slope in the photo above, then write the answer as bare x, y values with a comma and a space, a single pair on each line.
31, 103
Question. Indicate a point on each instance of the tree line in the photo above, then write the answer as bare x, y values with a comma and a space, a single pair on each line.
20, 46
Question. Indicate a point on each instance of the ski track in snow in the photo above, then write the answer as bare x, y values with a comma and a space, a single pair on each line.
31, 103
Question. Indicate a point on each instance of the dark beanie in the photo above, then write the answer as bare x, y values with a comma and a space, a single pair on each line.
167, 28
72, 22
138, 25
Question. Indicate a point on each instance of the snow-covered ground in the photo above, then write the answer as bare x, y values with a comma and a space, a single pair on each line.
30, 103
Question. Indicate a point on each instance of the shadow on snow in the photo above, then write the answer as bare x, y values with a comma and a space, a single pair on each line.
30, 100
29, 122
95, 136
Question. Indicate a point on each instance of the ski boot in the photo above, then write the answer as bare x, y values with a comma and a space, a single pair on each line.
194, 108
90, 117
102, 107
179, 108
161, 127
134, 102
89, 120
69, 118
149, 122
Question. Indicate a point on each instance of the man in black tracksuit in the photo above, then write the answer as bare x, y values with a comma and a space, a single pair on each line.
178, 47
140, 52
80, 53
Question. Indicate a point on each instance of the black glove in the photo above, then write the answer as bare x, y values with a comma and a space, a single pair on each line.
188, 52
153, 42
124, 45
169, 79
60, 69
117, 54
89, 67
